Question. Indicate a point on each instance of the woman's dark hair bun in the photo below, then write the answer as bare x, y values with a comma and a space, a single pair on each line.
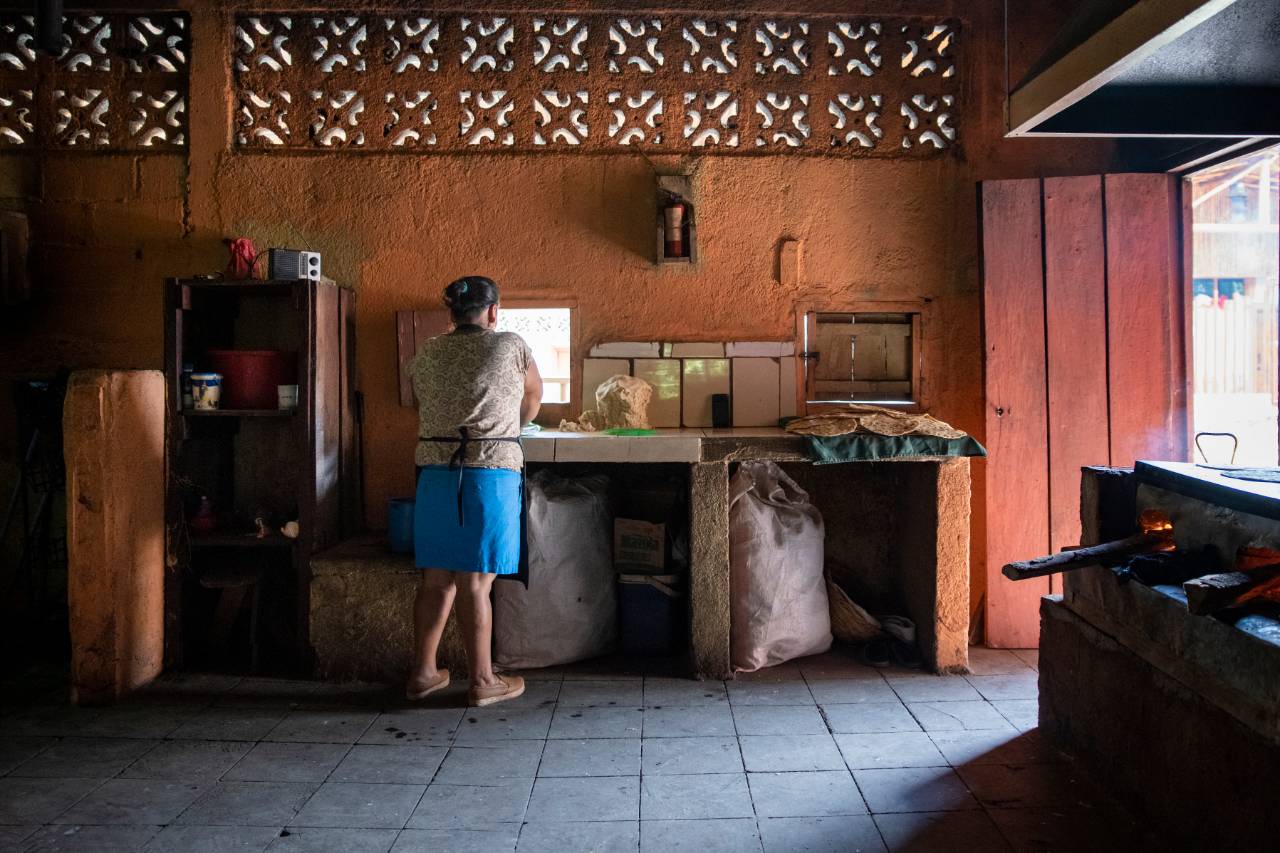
470, 295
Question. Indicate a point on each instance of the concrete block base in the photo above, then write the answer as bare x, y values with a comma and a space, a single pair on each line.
1173, 757
113, 425
362, 614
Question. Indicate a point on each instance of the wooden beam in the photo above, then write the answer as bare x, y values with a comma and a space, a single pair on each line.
1131, 37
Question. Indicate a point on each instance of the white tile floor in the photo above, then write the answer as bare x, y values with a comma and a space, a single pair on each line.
822, 754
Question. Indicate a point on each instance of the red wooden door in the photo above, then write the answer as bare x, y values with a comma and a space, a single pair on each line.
412, 330
1084, 348
1017, 420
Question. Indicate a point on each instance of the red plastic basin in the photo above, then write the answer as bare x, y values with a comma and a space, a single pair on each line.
250, 377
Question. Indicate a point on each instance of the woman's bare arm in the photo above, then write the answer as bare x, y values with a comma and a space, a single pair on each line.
532, 401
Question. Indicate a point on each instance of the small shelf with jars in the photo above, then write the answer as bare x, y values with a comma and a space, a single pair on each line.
263, 461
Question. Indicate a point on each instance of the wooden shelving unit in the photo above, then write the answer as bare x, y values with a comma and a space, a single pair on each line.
241, 540
299, 464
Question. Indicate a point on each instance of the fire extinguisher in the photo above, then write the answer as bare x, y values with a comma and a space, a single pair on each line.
673, 228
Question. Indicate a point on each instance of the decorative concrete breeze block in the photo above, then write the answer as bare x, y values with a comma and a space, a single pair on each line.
113, 424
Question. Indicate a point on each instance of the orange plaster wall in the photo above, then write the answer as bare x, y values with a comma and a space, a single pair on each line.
109, 228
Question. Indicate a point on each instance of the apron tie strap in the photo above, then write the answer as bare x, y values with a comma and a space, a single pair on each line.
459, 458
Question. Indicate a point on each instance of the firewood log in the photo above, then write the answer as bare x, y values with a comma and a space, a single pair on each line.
1211, 593
1107, 553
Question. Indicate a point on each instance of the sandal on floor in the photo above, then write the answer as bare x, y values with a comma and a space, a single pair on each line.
876, 652
508, 687
415, 691
906, 654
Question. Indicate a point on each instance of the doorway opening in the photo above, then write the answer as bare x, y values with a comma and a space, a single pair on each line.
1235, 308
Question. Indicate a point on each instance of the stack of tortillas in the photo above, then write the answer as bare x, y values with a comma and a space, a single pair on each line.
858, 418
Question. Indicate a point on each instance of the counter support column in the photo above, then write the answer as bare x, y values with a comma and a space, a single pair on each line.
709, 569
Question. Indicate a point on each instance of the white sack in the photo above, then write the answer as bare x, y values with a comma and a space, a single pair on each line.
570, 611
777, 593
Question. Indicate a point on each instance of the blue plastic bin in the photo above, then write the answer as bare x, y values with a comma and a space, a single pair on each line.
651, 614
400, 525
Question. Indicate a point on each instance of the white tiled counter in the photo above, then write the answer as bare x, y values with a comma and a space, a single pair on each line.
931, 496
359, 623
665, 445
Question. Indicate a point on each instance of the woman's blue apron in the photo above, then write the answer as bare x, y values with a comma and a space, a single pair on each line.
483, 527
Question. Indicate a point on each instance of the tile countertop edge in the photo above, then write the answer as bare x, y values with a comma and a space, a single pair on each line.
688, 445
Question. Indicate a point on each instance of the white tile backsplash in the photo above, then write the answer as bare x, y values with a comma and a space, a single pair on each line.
703, 377
626, 349
759, 376
664, 375
597, 370
787, 387
760, 349
693, 350
755, 392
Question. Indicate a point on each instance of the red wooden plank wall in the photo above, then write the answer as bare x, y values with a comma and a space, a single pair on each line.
1075, 286
1084, 333
1017, 406
1145, 316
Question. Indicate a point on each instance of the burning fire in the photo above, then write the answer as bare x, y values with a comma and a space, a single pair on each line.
1157, 525
1249, 558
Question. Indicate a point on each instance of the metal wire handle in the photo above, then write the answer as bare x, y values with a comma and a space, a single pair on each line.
1235, 444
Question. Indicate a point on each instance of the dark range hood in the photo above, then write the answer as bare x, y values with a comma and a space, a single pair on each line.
1183, 69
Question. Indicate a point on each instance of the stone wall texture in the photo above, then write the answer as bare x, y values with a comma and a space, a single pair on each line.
107, 228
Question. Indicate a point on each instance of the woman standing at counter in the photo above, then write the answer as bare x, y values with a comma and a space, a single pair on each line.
475, 388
